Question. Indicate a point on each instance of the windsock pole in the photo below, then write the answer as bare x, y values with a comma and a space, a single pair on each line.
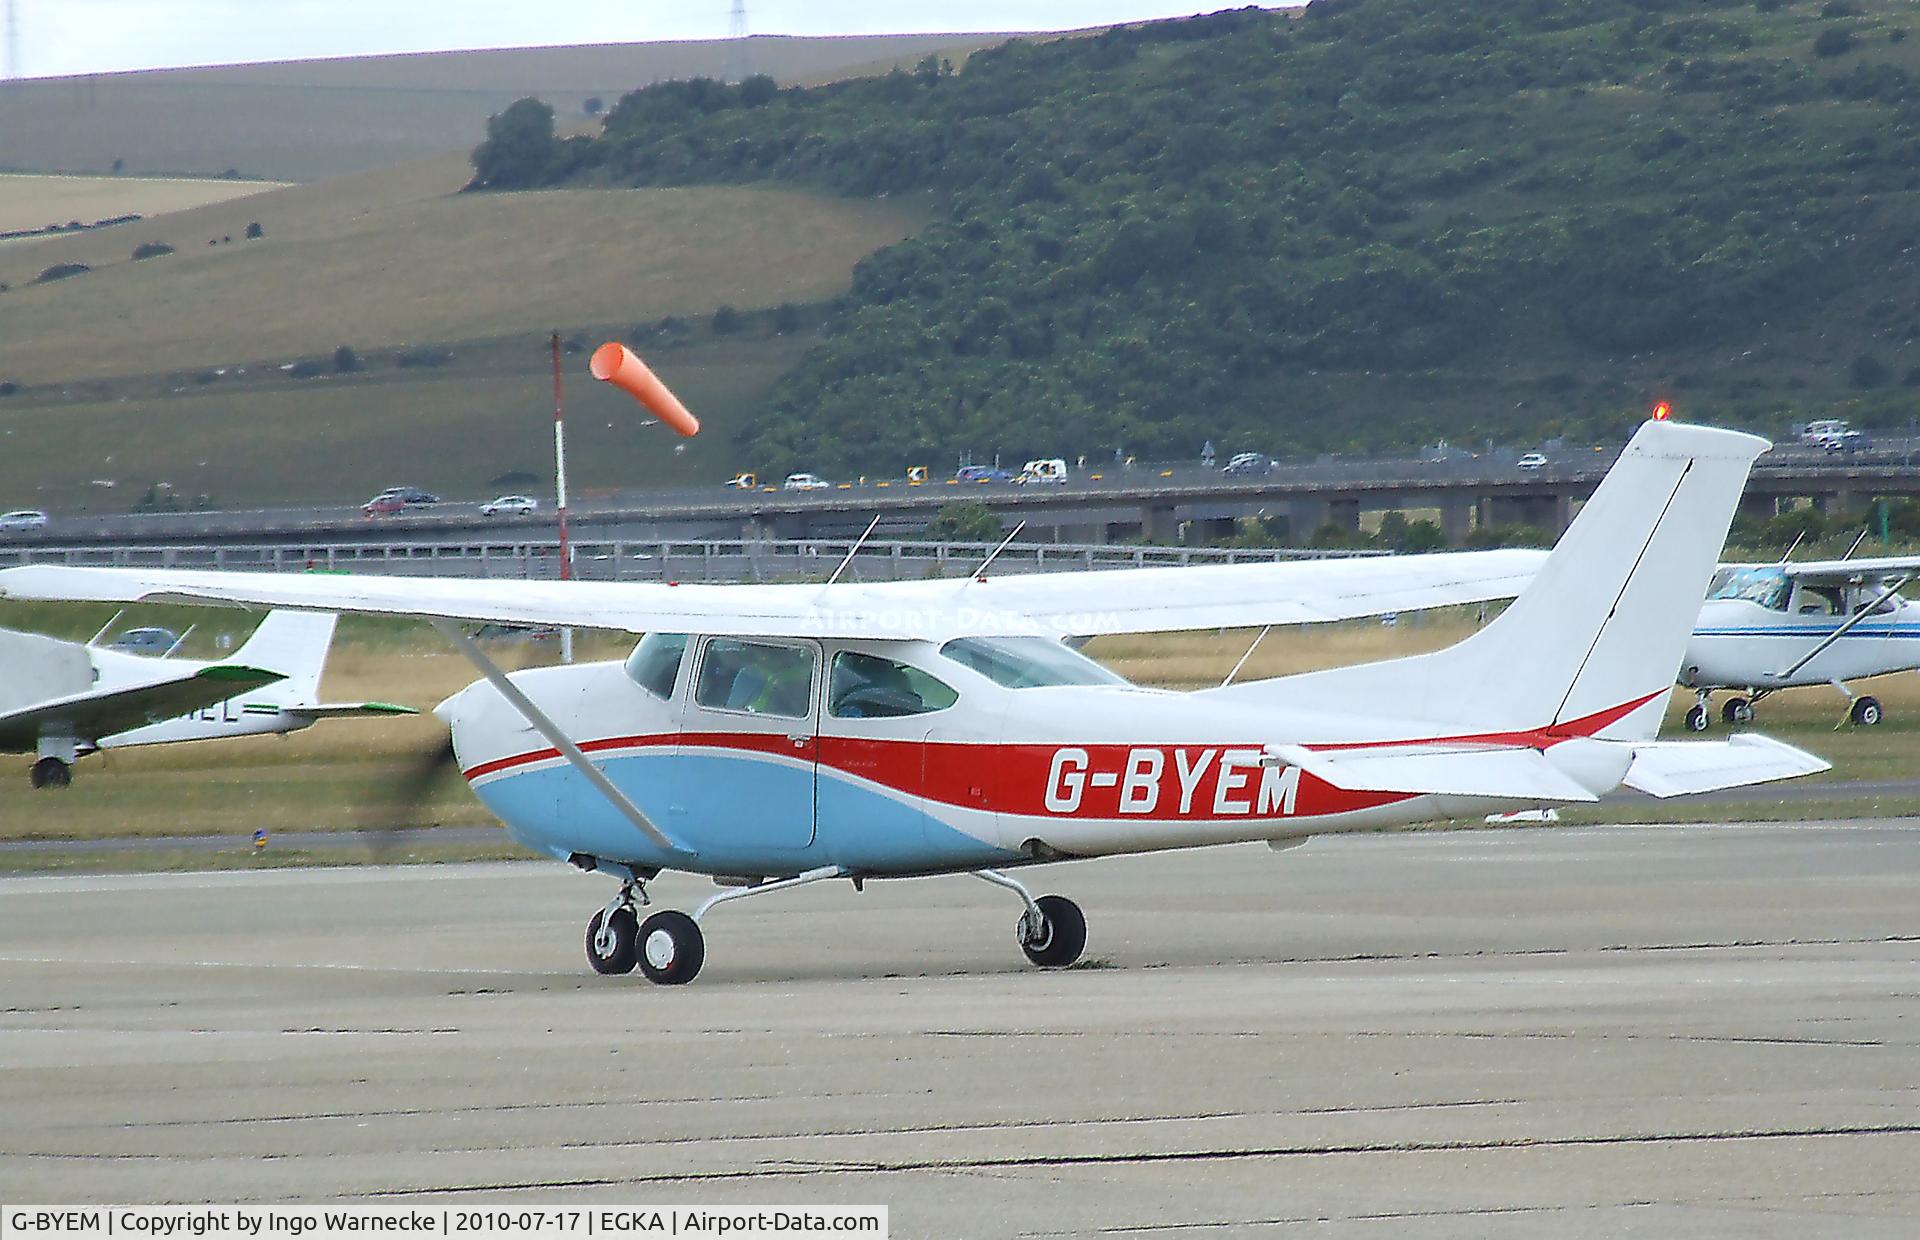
560, 488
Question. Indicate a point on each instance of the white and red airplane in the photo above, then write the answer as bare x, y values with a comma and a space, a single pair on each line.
771, 736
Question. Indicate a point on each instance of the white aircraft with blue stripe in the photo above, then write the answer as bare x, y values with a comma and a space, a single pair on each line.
775, 735
1767, 627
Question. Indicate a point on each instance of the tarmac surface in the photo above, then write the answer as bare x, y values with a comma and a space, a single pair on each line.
1570, 1032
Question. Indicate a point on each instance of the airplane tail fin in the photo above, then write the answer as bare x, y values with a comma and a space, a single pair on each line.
295, 644
1592, 645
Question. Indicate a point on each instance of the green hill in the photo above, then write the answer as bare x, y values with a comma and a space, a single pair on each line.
1372, 224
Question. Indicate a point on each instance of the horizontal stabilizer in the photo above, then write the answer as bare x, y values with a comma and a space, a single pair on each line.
1441, 770
1676, 768
346, 710
96, 713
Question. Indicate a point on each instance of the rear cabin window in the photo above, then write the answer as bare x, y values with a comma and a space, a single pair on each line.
1027, 662
866, 686
756, 678
654, 664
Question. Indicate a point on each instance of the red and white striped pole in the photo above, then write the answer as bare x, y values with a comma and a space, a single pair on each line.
560, 489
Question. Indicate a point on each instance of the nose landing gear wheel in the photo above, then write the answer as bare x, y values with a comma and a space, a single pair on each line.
1737, 710
671, 948
1062, 935
611, 943
50, 773
1865, 711
1697, 719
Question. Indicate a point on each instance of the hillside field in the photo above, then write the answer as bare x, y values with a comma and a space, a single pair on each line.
30, 201
309, 120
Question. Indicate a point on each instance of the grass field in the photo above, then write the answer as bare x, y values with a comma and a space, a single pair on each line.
29, 201
308, 120
344, 775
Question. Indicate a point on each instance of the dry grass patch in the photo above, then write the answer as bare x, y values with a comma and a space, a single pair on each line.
34, 201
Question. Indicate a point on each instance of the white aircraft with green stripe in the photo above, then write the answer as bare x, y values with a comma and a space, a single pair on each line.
62, 700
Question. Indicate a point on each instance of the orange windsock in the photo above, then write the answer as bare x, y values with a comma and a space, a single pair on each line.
615, 363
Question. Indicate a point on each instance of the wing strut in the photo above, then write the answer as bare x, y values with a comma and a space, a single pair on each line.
555, 737
1852, 622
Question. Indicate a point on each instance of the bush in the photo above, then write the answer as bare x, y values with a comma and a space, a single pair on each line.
726, 321
968, 522
1912, 377
60, 271
254, 231
151, 249
594, 105
1833, 41
786, 318
346, 361
519, 149
1867, 371
8, 387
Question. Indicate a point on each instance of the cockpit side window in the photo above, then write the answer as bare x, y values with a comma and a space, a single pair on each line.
1766, 587
756, 678
654, 664
866, 686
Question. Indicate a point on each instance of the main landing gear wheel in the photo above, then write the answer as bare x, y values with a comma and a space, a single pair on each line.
50, 773
1061, 936
612, 941
1737, 710
1865, 712
671, 948
1698, 719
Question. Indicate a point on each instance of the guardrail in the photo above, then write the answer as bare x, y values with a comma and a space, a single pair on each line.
706, 560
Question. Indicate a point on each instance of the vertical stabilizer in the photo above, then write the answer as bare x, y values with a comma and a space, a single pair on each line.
295, 644
1597, 637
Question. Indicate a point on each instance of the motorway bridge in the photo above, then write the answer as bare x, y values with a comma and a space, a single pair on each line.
1161, 504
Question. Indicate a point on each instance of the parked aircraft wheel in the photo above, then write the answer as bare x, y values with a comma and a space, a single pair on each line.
1865, 711
671, 948
615, 951
1061, 939
1737, 710
1697, 719
50, 773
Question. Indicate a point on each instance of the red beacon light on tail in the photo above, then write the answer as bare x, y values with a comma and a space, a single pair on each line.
615, 363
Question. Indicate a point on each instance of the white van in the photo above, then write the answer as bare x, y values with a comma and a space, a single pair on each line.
1047, 469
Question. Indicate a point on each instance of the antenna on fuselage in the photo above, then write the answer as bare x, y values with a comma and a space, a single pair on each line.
981, 572
854, 550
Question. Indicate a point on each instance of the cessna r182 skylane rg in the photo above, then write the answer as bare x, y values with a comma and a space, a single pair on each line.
776, 735
61, 700
1766, 627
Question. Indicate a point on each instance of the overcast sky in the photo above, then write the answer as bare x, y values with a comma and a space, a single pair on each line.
60, 37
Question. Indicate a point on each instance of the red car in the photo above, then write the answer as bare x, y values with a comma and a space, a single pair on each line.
383, 506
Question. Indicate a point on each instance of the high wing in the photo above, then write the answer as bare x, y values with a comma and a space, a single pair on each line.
1863, 569
97, 713
1135, 600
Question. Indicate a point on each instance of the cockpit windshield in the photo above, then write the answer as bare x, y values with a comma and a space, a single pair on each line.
1027, 662
1767, 587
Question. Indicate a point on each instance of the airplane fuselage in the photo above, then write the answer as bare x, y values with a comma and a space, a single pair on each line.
1741, 645
999, 776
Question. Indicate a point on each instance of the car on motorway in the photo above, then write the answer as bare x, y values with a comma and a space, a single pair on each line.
383, 505
412, 496
805, 482
1248, 464
151, 640
1532, 460
22, 520
744, 482
982, 473
514, 505
1044, 469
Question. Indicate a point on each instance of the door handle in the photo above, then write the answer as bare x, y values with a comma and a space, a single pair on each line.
799, 739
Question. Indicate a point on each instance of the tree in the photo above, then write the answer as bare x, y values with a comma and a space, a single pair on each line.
594, 105
966, 522
519, 148
1833, 41
346, 361
726, 321
1867, 371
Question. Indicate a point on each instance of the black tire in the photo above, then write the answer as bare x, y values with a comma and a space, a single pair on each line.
50, 773
1865, 712
1698, 720
1737, 710
1064, 937
624, 952
671, 948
